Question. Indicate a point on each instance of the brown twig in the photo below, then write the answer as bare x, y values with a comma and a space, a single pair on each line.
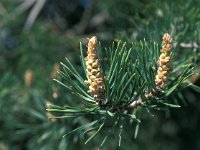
80, 27
33, 14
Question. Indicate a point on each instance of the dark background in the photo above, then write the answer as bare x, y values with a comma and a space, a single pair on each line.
35, 35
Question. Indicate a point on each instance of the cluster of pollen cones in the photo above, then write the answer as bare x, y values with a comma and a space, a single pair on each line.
95, 79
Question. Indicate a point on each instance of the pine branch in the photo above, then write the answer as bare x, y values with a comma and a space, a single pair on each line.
122, 79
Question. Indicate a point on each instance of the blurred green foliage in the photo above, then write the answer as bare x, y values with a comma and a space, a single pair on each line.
56, 33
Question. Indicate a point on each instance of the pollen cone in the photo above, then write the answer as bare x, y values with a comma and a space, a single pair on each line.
95, 80
164, 62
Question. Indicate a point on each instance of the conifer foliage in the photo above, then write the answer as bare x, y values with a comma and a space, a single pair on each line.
121, 80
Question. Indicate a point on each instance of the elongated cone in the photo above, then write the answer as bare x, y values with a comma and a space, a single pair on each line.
164, 62
28, 78
95, 80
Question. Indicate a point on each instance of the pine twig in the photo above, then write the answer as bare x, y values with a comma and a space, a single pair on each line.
164, 68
